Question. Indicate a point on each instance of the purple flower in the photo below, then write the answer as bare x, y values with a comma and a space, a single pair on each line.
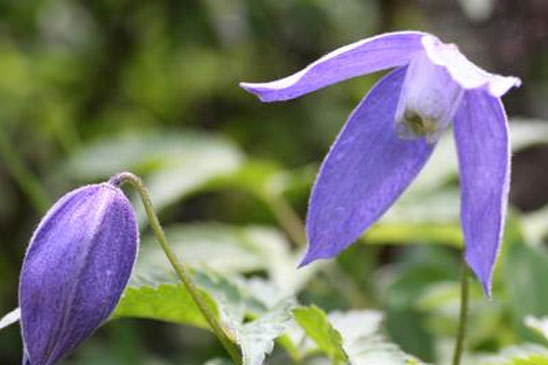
77, 264
390, 135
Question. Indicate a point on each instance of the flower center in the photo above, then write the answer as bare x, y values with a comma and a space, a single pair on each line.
428, 101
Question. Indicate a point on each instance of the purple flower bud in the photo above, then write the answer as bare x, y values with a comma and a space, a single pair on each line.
77, 264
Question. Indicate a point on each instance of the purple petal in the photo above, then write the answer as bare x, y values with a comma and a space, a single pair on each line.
363, 57
481, 134
365, 171
76, 267
466, 73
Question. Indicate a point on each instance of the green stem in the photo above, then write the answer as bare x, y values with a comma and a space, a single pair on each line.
288, 219
463, 318
26, 180
181, 269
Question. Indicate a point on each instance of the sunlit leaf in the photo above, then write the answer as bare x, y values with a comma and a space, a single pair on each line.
10, 318
316, 325
540, 325
525, 132
231, 249
362, 342
256, 338
169, 302
527, 354
443, 165
174, 163
408, 233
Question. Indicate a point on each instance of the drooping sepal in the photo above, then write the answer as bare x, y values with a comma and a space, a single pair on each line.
366, 170
483, 146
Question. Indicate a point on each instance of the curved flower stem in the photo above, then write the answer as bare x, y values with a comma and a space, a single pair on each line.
463, 317
26, 180
181, 269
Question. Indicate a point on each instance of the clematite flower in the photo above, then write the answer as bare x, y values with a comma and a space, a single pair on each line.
391, 134
77, 264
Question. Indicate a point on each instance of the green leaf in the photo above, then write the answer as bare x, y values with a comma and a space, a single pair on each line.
439, 206
174, 163
231, 300
408, 233
256, 338
525, 132
10, 318
523, 266
362, 342
540, 325
316, 325
230, 249
236, 302
527, 354
534, 225
169, 302
420, 217
257, 177
443, 164
148, 152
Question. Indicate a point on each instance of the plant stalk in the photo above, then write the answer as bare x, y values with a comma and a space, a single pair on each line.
180, 268
463, 317
288, 219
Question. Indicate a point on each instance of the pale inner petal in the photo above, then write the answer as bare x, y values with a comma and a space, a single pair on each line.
428, 100
464, 72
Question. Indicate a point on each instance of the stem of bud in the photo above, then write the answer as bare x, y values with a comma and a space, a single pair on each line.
180, 268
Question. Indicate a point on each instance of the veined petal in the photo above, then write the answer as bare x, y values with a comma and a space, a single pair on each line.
466, 73
365, 171
483, 146
359, 58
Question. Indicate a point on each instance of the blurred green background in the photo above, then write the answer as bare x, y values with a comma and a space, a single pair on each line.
90, 88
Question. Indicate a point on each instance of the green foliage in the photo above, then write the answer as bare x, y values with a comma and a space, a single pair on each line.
88, 89
163, 302
518, 355
316, 325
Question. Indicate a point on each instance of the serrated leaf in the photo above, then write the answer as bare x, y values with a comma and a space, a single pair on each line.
316, 325
10, 318
170, 302
363, 344
256, 338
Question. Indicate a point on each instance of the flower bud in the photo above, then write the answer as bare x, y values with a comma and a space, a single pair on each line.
76, 267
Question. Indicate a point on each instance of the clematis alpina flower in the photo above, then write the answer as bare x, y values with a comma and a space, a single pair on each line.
390, 135
77, 264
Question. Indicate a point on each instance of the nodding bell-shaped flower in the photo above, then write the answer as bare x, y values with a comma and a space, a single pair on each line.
77, 264
390, 135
